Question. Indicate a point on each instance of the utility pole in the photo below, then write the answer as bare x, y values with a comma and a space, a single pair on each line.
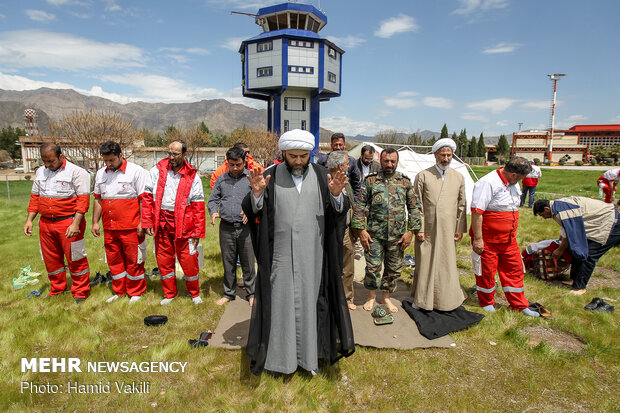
555, 77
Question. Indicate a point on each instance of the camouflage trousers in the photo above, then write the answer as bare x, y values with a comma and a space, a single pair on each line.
392, 257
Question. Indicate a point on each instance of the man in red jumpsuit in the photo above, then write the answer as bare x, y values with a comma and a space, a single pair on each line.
495, 217
61, 194
607, 184
119, 188
174, 213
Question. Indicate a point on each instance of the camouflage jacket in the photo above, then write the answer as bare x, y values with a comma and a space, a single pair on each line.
386, 207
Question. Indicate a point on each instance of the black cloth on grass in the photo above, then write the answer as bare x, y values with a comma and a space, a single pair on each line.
435, 324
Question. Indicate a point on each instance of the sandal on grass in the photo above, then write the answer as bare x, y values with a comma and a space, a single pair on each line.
541, 310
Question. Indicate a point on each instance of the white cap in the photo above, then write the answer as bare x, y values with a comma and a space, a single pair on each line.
442, 143
296, 139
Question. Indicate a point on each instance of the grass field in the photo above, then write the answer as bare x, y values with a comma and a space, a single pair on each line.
494, 367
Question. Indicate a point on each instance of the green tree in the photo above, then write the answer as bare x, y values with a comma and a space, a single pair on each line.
9, 138
150, 138
462, 144
415, 139
482, 148
472, 151
444, 132
203, 127
503, 148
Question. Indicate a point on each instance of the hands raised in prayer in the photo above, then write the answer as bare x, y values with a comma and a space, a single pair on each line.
336, 182
258, 182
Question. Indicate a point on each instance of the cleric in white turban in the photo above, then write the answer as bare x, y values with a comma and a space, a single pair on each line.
444, 142
297, 214
296, 139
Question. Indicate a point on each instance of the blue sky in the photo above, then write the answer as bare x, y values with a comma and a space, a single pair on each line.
409, 64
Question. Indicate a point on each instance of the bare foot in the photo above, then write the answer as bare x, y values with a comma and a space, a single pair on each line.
251, 301
578, 292
370, 304
352, 306
222, 301
567, 282
390, 306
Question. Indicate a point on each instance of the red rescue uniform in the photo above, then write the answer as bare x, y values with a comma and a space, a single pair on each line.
498, 202
57, 196
120, 193
174, 207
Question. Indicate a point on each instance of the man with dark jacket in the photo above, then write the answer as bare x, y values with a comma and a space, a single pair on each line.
338, 144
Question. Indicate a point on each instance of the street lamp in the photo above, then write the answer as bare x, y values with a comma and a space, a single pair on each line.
555, 77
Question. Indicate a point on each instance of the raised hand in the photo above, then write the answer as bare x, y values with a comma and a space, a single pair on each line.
336, 182
258, 182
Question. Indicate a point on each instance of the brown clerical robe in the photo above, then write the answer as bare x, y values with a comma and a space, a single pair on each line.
444, 213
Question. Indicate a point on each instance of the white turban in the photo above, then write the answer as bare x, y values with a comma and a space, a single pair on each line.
441, 143
296, 139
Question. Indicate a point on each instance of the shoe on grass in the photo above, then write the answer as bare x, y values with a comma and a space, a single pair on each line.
166, 301
79, 300
111, 299
134, 299
197, 300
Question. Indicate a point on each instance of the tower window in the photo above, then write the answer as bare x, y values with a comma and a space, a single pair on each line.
303, 125
331, 77
331, 52
301, 43
301, 69
264, 71
286, 125
295, 104
264, 47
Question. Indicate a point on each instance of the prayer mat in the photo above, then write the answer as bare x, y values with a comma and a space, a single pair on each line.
435, 324
232, 330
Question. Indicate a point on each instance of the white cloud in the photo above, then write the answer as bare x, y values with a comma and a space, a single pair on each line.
59, 3
40, 16
502, 47
40, 48
400, 103
492, 105
502, 123
399, 24
349, 42
110, 5
15, 82
569, 121
81, 15
615, 120
536, 104
471, 6
407, 94
352, 127
474, 117
233, 43
2, 16
242, 4
435, 102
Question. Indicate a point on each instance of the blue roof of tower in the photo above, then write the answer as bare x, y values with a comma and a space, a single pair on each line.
292, 6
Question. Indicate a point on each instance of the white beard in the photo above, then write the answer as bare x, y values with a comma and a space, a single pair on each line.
443, 168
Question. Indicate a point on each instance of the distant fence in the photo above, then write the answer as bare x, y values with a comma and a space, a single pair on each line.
15, 186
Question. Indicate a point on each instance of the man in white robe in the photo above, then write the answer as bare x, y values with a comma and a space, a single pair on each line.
297, 215
441, 191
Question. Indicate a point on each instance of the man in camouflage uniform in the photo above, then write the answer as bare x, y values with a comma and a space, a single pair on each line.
386, 197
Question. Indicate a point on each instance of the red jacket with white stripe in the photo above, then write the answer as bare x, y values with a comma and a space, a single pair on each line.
189, 202
498, 202
60, 193
120, 192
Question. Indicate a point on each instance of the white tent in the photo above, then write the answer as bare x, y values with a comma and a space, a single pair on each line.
411, 162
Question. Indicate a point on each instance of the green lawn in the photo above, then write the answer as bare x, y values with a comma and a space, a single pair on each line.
492, 368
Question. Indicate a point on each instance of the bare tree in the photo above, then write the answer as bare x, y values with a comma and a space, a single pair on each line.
82, 133
389, 136
262, 143
194, 138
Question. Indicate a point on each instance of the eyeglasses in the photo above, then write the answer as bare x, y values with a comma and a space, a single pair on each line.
174, 154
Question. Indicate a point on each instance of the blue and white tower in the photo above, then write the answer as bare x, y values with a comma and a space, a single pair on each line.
291, 67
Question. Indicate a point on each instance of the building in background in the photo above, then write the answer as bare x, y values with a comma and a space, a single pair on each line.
574, 143
291, 67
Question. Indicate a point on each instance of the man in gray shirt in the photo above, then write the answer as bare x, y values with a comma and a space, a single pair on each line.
225, 203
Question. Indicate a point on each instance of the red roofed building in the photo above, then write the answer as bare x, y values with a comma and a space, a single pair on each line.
574, 142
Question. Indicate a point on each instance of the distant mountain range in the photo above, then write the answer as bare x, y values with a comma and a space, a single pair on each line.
218, 114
